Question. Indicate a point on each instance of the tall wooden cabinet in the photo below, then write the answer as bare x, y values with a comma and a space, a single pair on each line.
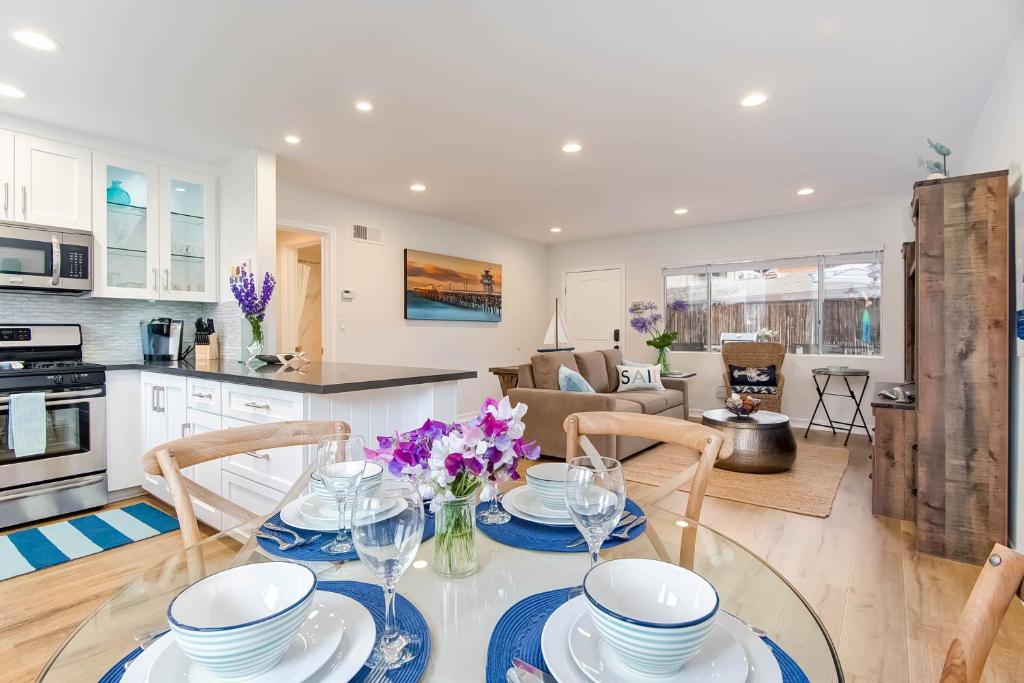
963, 344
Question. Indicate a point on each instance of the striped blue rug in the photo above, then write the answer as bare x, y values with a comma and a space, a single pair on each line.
26, 551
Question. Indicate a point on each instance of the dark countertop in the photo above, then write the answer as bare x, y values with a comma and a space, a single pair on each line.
882, 402
315, 378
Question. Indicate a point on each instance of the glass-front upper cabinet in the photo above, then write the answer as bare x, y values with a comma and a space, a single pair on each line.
188, 236
126, 227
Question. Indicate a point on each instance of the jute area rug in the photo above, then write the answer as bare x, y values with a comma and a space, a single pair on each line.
807, 489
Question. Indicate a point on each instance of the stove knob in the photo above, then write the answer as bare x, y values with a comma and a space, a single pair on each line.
73, 379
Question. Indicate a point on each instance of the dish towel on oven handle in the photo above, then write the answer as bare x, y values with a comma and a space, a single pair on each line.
26, 424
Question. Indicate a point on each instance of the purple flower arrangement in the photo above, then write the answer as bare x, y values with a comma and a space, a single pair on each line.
252, 303
645, 319
453, 460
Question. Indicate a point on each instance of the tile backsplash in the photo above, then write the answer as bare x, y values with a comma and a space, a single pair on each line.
110, 327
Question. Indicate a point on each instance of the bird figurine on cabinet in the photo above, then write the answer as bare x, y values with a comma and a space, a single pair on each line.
938, 170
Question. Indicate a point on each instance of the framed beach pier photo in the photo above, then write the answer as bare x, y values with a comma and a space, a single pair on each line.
440, 287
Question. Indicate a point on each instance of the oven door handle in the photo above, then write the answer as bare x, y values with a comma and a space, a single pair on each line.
35, 491
61, 395
55, 278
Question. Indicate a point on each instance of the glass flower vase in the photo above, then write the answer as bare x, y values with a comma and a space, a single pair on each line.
252, 338
663, 360
455, 538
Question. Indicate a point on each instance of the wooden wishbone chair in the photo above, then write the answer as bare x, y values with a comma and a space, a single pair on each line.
1001, 577
710, 443
168, 459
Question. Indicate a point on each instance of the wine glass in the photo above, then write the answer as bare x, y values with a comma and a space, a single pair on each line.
595, 494
387, 527
340, 464
494, 514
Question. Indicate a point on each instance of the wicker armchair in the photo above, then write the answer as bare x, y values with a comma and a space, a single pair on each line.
756, 355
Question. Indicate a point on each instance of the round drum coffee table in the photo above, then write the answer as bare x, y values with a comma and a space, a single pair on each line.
762, 442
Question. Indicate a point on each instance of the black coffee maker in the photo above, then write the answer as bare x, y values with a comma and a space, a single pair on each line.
161, 339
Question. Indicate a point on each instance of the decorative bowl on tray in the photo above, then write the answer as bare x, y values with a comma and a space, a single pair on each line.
742, 404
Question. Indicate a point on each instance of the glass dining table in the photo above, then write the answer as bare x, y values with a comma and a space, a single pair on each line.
462, 612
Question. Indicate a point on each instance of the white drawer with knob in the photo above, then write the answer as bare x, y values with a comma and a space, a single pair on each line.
256, 404
277, 468
203, 394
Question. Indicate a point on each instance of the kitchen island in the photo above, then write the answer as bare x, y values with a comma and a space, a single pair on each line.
150, 403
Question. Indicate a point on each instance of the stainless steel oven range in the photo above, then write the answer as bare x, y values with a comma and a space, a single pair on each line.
70, 474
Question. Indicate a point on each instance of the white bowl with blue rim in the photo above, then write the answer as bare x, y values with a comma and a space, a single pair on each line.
547, 481
238, 623
655, 616
373, 475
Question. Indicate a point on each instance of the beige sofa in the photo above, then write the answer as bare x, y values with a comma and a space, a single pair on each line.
548, 406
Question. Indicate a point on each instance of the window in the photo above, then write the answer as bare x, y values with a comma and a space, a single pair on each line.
817, 304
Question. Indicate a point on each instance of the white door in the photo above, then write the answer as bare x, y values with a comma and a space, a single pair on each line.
594, 308
126, 228
53, 183
7, 174
154, 431
188, 236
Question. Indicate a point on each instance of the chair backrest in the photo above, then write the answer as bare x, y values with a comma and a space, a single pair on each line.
167, 460
754, 354
1002, 576
710, 443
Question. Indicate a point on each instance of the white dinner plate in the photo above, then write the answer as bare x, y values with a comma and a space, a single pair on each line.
761, 664
291, 514
314, 509
721, 659
314, 653
524, 503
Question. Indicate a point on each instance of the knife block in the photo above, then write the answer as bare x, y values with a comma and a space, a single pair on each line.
208, 352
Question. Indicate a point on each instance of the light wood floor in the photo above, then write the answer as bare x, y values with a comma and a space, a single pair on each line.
890, 611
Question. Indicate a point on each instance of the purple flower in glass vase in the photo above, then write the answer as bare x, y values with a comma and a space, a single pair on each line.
253, 304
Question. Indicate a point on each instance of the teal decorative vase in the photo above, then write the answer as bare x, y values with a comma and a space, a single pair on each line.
117, 194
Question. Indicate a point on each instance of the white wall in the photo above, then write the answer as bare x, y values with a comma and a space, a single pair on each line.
882, 224
998, 142
375, 329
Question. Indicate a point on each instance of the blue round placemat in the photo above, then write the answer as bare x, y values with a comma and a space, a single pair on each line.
369, 596
312, 552
531, 536
518, 633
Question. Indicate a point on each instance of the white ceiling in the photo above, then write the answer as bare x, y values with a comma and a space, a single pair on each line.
476, 97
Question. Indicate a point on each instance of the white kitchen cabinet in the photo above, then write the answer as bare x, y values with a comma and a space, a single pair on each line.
188, 236
52, 183
124, 437
7, 174
277, 468
163, 419
206, 474
256, 498
126, 226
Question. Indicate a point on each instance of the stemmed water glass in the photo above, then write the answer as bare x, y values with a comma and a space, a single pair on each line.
494, 514
387, 527
340, 465
595, 494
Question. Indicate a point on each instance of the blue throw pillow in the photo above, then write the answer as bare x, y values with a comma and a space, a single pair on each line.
570, 380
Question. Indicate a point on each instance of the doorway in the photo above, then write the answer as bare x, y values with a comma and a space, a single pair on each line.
300, 268
594, 307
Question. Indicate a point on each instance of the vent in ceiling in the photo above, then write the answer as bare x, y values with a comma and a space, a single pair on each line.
361, 233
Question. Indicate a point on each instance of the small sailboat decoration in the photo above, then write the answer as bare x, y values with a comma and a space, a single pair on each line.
556, 338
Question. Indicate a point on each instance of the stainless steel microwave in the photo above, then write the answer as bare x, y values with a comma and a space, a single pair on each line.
48, 260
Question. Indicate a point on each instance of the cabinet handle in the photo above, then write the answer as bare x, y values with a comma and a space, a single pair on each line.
261, 406
161, 406
156, 280
167, 279
199, 394
258, 456
186, 429
24, 202
7, 190
152, 400
55, 277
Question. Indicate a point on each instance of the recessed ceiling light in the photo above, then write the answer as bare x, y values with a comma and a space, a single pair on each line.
11, 91
418, 187
805, 191
363, 105
572, 147
292, 139
35, 40
555, 229
754, 99
680, 212
180, 189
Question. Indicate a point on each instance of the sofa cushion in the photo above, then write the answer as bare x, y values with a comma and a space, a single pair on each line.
654, 402
612, 357
570, 380
545, 367
593, 369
